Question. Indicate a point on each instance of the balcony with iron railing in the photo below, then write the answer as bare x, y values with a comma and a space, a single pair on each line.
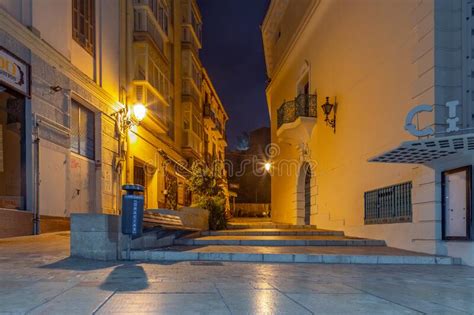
297, 117
215, 123
302, 106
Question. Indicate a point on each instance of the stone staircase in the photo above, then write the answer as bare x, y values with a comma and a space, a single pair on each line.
270, 242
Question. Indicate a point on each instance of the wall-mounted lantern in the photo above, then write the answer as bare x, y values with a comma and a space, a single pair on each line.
327, 109
267, 166
139, 112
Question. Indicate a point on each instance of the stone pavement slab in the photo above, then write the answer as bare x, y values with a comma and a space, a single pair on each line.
38, 277
173, 303
261, 302
350, 304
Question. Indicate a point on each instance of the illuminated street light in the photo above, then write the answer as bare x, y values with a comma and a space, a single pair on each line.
139, 111
268, 166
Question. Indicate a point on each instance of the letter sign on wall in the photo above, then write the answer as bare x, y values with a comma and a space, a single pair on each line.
410, 126
14, 73
451, 121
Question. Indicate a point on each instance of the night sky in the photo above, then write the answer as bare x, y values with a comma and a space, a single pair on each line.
233, 56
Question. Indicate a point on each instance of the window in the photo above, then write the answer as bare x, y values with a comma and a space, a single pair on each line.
82, 130
390, 204
83, 24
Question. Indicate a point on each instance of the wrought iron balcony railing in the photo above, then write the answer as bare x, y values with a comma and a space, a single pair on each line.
304, 105
208, 113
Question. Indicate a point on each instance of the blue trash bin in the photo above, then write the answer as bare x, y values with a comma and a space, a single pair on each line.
132, 210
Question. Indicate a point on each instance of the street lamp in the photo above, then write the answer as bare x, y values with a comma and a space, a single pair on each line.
267, 166
139, 112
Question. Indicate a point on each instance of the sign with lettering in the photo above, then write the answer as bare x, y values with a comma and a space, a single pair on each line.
451, 121
14, 73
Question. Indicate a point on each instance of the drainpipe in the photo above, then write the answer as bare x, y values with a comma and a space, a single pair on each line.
36, 215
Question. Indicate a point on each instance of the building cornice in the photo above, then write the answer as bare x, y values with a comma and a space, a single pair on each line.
43, 50
275, 67
270, 27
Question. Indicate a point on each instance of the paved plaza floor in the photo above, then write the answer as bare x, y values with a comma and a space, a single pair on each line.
38, 277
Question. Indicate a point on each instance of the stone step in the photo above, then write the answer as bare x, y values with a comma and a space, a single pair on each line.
271, 232
288, 254
269, 225
281, 240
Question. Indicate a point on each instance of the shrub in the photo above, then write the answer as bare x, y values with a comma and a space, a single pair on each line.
216, 207
208, 192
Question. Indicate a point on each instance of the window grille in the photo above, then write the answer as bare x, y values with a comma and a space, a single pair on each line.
390, 204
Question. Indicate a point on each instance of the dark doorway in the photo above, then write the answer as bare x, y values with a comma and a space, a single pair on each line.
307, 196
12, 150
139, 178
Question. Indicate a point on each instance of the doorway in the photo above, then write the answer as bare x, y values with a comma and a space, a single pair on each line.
302, 84
12, 150
307, 197
139, 178
456, 194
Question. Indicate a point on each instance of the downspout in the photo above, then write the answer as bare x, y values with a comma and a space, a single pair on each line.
36, 212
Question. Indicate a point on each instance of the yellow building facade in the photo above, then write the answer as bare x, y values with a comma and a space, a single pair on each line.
344, 78
71, 133
214, 122
165, 74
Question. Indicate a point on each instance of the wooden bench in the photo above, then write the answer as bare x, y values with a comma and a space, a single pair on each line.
165, 221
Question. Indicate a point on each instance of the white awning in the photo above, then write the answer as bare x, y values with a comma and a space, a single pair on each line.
427, 150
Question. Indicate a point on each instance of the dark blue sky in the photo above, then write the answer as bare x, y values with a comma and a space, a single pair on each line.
233, 56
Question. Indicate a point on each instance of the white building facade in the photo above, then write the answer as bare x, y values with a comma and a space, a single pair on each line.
355, 152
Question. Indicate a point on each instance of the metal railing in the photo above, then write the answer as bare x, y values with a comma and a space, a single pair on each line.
390, 204
208, 113
302, 106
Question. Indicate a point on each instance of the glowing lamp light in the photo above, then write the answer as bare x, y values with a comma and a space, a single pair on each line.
268, 166
139, 111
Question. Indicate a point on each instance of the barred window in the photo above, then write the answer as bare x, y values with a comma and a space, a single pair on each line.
83, 24
390, 204
82, 130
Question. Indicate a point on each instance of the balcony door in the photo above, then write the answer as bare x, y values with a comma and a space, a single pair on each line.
303, 85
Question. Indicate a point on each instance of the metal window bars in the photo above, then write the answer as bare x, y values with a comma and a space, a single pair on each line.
390, 204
